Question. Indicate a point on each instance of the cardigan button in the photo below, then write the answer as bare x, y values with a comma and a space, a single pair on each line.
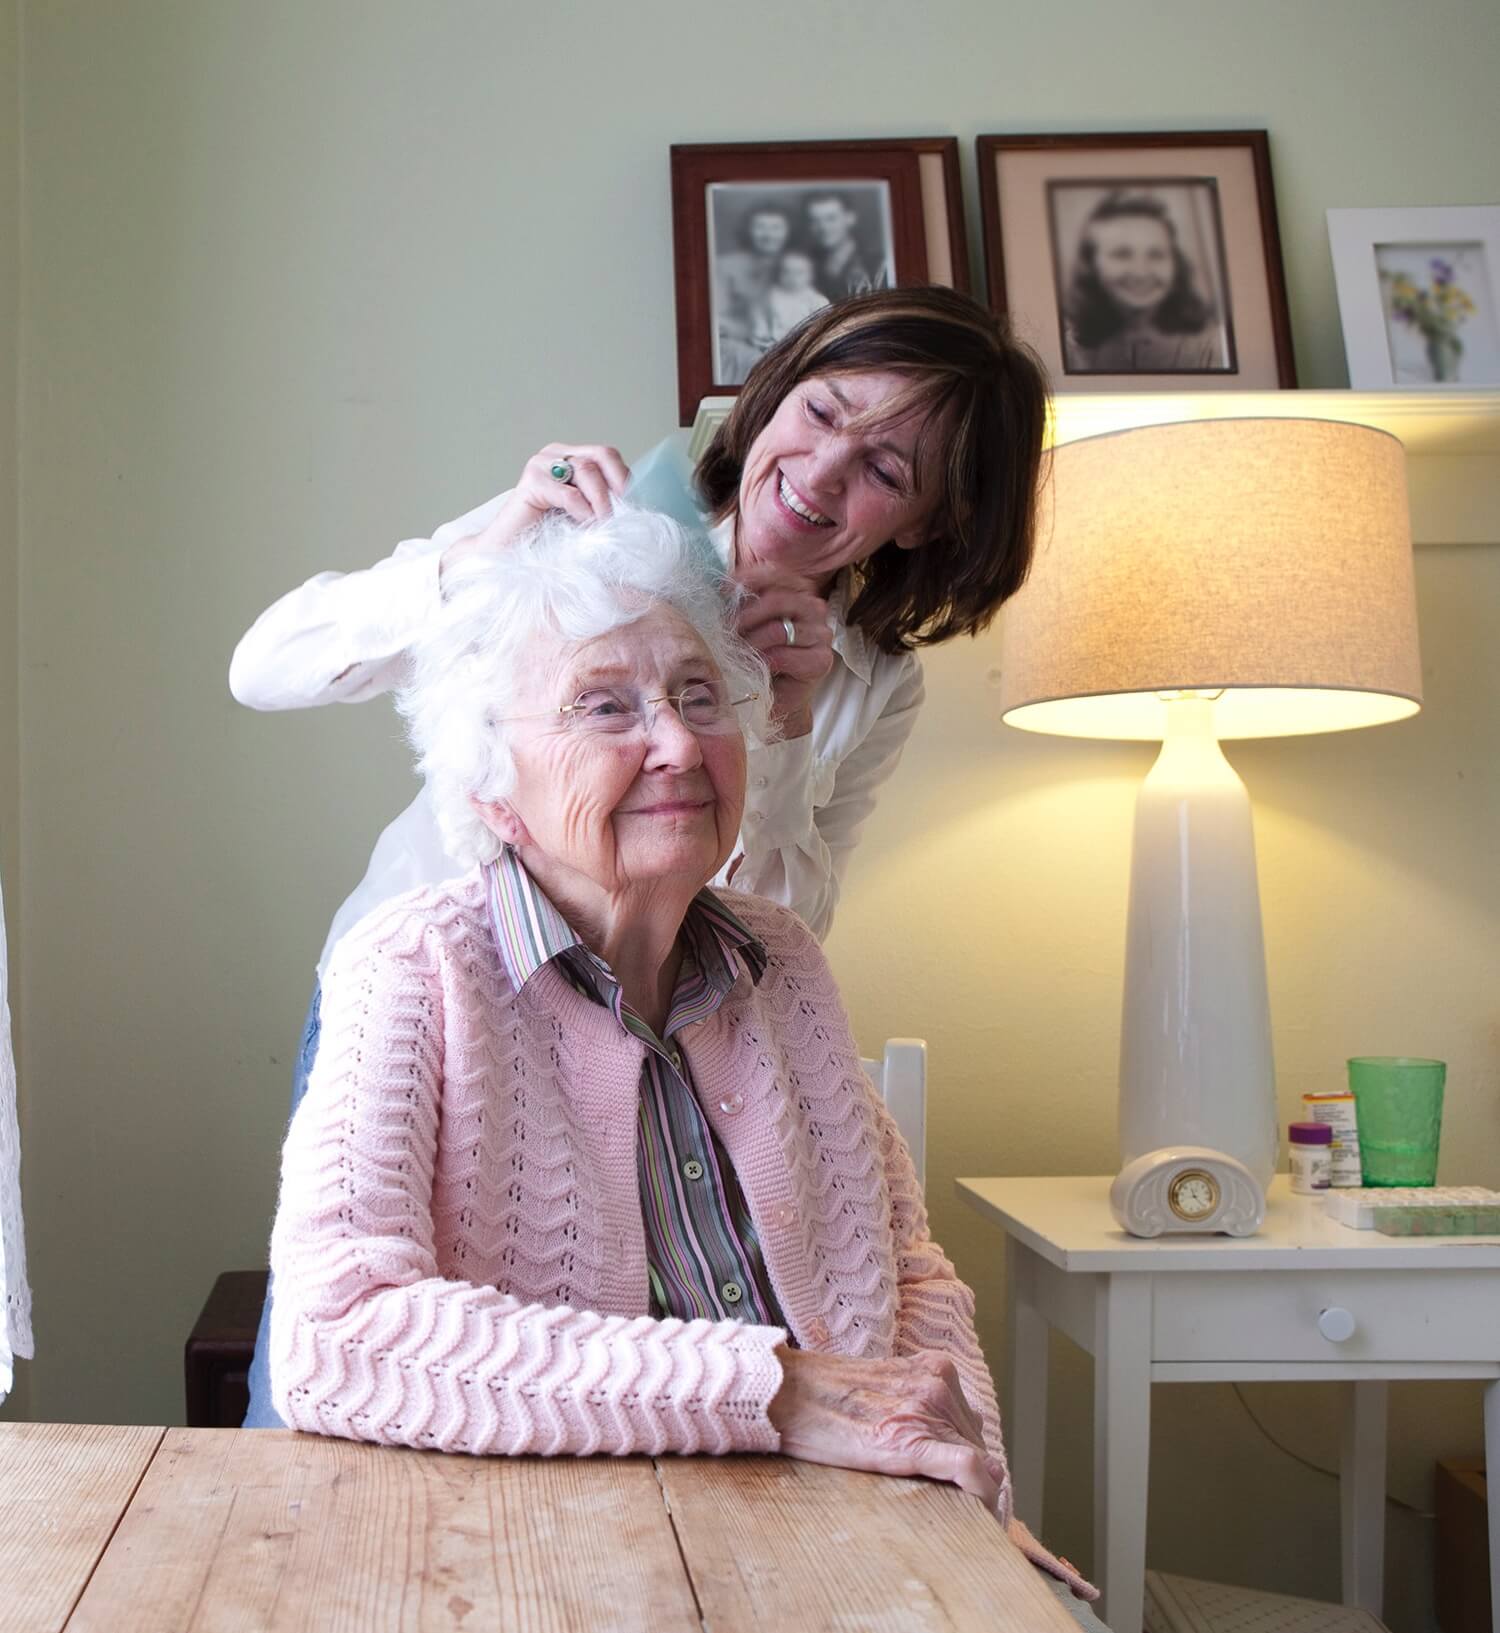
732, 1104
784, 1214
817, 1330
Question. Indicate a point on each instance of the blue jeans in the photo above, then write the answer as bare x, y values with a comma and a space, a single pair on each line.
262, 1415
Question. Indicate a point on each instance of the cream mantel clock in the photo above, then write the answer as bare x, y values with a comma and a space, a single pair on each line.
1187, 1188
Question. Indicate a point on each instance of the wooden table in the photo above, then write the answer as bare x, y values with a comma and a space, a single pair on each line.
103, 1529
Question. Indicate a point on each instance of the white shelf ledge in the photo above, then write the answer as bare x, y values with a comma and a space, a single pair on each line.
1434, 420
1451, 434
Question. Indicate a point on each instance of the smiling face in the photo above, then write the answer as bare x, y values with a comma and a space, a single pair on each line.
1133, 260
626, 811
768, 232
795, 271
818, 492
830, 222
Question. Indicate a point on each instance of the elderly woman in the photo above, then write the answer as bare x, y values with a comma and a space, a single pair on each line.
872, 491
587, 1162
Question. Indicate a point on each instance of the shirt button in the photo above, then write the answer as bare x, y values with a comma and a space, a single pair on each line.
754, 818
732, 1103
692, 1169
732, 1292
760, 782
676, 1058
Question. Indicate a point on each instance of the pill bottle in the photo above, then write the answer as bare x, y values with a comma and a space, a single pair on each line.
1336, 1108
1311, 1147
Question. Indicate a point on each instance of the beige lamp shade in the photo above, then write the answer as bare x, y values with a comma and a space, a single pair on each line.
1269, 559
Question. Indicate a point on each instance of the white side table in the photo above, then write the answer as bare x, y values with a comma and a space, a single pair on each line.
1306, 1299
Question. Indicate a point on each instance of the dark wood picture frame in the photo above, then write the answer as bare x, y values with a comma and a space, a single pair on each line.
1267, 365
922, 238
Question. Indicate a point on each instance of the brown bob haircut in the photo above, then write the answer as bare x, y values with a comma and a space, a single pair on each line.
983, 400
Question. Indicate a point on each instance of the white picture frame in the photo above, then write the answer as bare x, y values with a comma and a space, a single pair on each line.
1385, 342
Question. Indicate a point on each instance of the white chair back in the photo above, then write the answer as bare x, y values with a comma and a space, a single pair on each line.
900, 1078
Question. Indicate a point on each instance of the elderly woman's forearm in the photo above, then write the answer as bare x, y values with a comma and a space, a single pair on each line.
452, 1367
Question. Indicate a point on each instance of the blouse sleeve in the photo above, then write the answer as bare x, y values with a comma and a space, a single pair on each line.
342, 637
370, 1341
796, 852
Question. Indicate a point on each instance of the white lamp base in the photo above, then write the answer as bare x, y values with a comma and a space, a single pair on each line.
1195, 1043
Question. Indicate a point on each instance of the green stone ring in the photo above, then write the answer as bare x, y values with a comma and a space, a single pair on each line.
562, 471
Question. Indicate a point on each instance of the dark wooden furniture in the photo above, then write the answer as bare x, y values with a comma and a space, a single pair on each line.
216, 1357
1461, 1556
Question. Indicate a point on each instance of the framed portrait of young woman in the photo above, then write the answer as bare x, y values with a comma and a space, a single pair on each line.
766, 233
1141, 261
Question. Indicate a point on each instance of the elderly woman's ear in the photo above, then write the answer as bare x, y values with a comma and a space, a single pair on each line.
500, 818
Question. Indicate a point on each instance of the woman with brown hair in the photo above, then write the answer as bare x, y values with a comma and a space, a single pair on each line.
874, 490
874, 487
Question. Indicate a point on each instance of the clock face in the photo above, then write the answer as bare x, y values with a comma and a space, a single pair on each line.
1193, 1194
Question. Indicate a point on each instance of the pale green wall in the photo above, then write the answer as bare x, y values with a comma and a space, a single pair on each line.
304, 278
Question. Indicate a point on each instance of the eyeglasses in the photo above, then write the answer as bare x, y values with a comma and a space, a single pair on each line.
616, 710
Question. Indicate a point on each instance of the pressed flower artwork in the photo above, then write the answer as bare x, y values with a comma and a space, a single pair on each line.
1440, 320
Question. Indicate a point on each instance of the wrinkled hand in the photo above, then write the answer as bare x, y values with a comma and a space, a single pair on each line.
774, 595
599, 475
903, 1416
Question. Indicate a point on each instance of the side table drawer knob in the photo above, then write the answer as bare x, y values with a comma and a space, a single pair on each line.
1336, 1324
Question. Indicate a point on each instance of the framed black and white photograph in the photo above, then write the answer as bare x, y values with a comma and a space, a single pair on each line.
767, 233
1419, 295
1139, 261
777, 254
1140, 277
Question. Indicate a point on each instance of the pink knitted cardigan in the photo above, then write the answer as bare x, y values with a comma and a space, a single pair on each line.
459, 1254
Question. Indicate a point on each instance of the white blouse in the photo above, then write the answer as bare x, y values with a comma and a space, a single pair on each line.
343, 637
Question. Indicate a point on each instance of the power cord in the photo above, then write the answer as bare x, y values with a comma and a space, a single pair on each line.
1317, 1468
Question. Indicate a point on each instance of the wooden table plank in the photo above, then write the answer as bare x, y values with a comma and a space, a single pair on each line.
63, 1488
269, 1531
770, 1542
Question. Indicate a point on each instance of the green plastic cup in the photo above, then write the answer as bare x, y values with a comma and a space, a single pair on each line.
1399, 1105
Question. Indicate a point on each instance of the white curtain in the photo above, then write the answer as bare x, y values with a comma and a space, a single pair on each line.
15, 1291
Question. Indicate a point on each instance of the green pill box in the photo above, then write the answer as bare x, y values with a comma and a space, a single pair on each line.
1438, 1221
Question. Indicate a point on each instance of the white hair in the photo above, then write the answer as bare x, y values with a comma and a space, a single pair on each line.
573, 582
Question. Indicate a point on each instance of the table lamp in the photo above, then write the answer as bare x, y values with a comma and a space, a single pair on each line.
1192, 582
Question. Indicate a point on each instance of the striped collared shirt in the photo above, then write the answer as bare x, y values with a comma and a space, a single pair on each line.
702, 1252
